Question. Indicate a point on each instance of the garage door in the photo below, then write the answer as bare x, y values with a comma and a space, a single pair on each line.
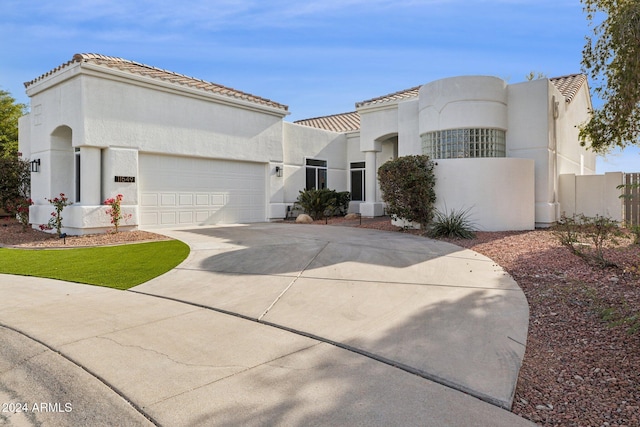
176, 191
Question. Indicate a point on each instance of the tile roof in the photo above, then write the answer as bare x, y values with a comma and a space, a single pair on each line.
400, 95
345, 122
160, 74
569, 85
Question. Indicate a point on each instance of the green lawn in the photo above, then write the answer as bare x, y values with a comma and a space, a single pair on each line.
119, 267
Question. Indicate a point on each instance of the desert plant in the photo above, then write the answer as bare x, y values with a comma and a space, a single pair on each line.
453, 224
342, 202
588, 237
407, 184
635, 231
323, 202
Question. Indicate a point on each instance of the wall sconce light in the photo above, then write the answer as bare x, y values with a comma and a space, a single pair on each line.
278, 171
35, 165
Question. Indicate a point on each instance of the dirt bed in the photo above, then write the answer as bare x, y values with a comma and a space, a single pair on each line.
13, 234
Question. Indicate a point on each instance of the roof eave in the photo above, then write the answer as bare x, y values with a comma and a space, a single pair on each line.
75, 68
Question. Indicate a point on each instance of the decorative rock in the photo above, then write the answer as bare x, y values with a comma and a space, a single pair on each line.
351, 216
304, 219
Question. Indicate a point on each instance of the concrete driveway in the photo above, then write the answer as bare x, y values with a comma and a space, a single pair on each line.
286, 324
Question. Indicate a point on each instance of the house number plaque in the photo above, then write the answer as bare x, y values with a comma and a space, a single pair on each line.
125, 179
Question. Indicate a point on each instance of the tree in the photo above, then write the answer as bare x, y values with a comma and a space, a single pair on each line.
612, 59
10, 112
15, 179
408, 187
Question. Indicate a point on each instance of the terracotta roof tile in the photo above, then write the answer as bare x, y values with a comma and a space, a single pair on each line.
396, 96
345, 122
569, 85
160, 74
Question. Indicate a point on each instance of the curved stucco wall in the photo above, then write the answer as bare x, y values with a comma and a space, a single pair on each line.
463, 102
498, 192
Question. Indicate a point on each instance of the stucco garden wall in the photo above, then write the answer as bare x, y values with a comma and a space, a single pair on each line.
592, 195
498, 192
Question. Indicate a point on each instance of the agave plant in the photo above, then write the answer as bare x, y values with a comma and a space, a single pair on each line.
453, 224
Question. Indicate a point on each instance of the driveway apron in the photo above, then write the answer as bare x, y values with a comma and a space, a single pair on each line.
272, 324
432, 308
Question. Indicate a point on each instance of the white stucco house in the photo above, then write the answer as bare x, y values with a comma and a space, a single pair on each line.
187, 152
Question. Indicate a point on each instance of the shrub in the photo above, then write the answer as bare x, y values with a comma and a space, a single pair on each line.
587, 236
59, 203
20, 208
635, 232
342, 203
453, 224
115, 211
324, 202
407, 185
15, 181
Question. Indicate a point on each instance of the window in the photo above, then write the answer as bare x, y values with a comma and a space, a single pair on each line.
357, 181
316, 174
77, 157
463, 143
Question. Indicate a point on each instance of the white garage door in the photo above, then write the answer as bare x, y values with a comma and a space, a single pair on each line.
177, 191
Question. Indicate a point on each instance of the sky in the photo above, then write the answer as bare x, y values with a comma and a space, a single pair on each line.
317, 57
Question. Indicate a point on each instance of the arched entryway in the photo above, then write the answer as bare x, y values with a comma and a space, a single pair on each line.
62, 164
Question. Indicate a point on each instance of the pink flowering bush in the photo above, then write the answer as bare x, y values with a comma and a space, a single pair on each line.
115, 211
55, 221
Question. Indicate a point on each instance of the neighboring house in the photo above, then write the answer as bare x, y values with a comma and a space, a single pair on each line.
187, 152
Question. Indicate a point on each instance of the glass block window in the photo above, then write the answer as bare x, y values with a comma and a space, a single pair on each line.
464, 143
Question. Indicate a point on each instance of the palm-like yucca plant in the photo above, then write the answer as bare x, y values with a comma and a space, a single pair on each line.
317, 203
453, 224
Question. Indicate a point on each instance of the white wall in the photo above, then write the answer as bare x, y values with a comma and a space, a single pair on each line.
302, 142
530, 136
409, 142
499, 192
112, 115
592, 195
149, 119
572, 158
55, 125
463, 102
376, 124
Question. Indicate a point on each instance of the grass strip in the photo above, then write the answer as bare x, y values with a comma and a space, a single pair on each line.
118, 267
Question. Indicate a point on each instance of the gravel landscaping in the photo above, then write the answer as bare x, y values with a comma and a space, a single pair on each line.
582, 362
12, 234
